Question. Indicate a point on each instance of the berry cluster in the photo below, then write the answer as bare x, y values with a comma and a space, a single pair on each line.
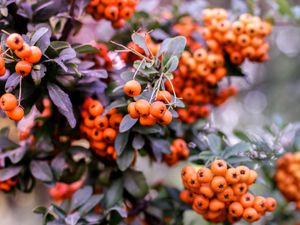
148, 113
61, 191
244, 38
195, 82
7, 185
221, 194
2, 64
28, 55
117, 11
101, 60
9, 104
287, 178
100, 130
179, 150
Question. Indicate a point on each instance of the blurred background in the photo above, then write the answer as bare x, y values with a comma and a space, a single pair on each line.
270, 90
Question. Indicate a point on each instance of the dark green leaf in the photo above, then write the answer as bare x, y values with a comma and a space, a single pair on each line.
41, 170
58, 165
59, 45
5, 143
85, 48
205, 155
127, 123
242, 135
12, 82
125, 159
135, 183
284, 7
121, 141
73, 218
140, 41
214, 142
38, 35
172, 64
80, 197
37, 75
235, 149
138, 142
113, 194
10, 172
90, 204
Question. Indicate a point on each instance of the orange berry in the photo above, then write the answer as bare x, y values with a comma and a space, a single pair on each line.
200, 203
35, 56
260, 204
14, 41
164, 96
97, 135
216, 205
186, 196
204, 175
232, 176
132, 88
16, 114
126, 12
187, 171
95, 108
252, 177
109, 135
89, 121
236, 209
244, 173
247, 200
8, 102
2, 71
24, 51
101, 122
2, 62
240, 188
115, 120
229, 38
118, 23
271, 204
226, 195
219, 167
99, 145
111, 12
23, 68
252, 29
131, 110
142, 107
158, 109
206, 191
166, 119
200, 55
218, 184
250, 215
236, 57
148, 120
243, 40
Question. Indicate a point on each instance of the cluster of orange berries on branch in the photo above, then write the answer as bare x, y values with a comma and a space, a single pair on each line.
9, 104
179, 150
27, 55
149, 113
221, 194
287, 177
195, 82
7, 185
242, 39
117, 11
102, 59
2, 64
101, 130
61, 191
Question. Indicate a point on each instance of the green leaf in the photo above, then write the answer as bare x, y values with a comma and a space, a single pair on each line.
58, 165
63, 102
242, 135
205, 155
138, 142
140, 41
284, 7
38, 35
135, 183
113, 194
5, 143
115, 104
121, 141
12, 82
120, 210
127, 75
214, 143
80, 197
235, 149
172, 64
59, 45
90, 204
233, 69
125, 159
38, 74
40, 210
85, 48
156, 129
41, 170
172, 47
10, 172
238, 159
73, 218
127, 123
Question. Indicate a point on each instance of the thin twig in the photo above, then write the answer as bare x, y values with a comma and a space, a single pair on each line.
5, 32
137, 70
20, 91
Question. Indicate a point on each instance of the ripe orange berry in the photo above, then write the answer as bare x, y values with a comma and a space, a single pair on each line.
187, 171
118, 23
132, 88
2, 62
244, 173
218, 184
243, 40
97, 135
166, 119
101, 122
247, 200
109, 135
219, 167
216, 205
8, 102
95, 108
16, 114
111, 12
252, 177
229, 38
232, 176
35, 56
158, 109
236, 57
200, 203
240, 188
126, 12
2, 71
24, 51
142, 107
115, 120
200, 55
23, 68
226, 195
89, 121
206, 191
148, 120
186, 196
164, 96
131, 110
260, 204
14, 41
98, 145
271, 204
252, 29
236, 209
250, 215
204, 175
